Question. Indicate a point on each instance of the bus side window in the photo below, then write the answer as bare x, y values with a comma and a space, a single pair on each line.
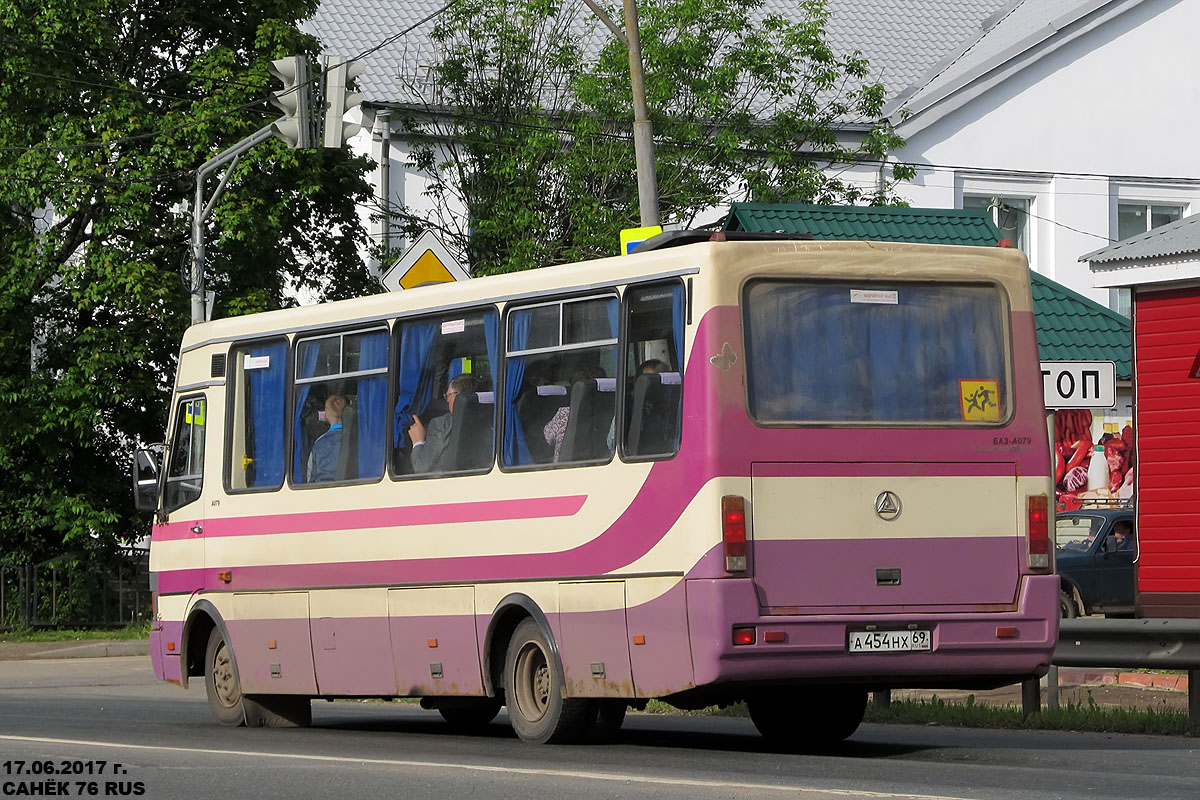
340, 400
560, 382
653, 385
257, 397
444, 380
185, 475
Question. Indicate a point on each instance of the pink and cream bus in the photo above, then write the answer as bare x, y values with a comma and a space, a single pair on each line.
784, 472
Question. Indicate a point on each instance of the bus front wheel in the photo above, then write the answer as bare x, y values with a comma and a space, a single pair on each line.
809, 717
533, 691
221, 682
231, 707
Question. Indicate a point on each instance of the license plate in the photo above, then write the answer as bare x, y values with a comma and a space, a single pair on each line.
890, 641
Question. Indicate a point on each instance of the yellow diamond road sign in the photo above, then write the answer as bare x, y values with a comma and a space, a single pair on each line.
427, 261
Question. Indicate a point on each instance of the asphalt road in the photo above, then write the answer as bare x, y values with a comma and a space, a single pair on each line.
84, 711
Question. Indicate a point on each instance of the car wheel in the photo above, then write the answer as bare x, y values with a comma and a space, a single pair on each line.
533, 691
1066, 606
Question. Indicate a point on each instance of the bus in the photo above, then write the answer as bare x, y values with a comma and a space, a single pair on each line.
772, 471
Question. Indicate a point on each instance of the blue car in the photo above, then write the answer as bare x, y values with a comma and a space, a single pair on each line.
1095, 557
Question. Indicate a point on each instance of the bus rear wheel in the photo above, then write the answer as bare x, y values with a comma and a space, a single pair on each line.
533, 691
470, 715
809, 717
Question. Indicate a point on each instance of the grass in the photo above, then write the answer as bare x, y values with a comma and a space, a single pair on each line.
128, 632
1070, 717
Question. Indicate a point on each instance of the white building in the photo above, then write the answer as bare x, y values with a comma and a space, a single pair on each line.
1067, 117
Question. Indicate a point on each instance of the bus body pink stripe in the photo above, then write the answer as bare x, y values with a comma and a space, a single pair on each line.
395, 517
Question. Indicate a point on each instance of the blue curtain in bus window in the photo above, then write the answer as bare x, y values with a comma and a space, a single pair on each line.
516, 451
613, 308
815, 355
372, 405
491, 336
306, 366
265, 390
677, 325
412, 393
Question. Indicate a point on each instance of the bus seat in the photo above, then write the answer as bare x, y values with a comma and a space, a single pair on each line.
592, 408
535, 407
347, 466
654, 417
470, 446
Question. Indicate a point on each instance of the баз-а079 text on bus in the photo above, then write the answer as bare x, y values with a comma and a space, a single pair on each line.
733, 470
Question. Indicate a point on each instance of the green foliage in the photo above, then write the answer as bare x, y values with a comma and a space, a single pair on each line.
1082, 716
108, 106
524, 123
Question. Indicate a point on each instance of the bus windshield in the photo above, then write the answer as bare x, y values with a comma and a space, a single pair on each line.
873, 353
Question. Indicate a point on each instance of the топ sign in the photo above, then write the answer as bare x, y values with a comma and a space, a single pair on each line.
1079, 384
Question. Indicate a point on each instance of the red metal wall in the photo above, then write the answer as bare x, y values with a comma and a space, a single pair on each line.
1167, 406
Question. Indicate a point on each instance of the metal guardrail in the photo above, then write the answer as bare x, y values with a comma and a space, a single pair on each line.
1141, 643
1172, 644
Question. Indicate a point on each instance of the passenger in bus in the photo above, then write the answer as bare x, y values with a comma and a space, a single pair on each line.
556, 429
323, 460
430, 443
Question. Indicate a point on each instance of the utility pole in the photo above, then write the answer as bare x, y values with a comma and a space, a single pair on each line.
202, 210
643, 130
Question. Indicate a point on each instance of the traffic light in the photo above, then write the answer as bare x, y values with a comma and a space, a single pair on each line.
339, 100
294, 100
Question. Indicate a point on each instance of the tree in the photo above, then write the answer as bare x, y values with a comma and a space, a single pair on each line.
109, 105
524, 123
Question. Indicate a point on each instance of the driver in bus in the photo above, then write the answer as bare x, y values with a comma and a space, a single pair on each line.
430, 444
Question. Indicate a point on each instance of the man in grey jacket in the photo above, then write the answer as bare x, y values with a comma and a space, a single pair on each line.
430, 444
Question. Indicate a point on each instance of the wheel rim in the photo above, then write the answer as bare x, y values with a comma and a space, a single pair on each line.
533, 682
224, 681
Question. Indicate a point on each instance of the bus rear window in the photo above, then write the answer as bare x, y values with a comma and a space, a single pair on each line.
853, 352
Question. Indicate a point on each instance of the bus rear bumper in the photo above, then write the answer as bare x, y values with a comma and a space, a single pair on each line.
969, 648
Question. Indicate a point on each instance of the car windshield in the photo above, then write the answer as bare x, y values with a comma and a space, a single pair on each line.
1076, 532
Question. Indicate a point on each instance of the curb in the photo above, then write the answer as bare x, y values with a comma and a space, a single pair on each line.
1143, 680
24, 651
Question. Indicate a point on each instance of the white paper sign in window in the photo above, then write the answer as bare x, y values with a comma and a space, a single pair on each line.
874, 296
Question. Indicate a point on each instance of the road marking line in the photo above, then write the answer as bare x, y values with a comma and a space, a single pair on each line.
556, 773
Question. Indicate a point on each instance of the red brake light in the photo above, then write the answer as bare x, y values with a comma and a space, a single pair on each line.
1039, 532
743, 636
733, 532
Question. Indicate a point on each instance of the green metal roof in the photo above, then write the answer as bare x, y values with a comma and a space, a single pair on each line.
971, 226
1070, 327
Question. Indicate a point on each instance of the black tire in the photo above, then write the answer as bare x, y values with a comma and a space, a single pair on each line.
533, 691
610, 715
808, 717
1066, 606
277, 711
471, 715
221, 682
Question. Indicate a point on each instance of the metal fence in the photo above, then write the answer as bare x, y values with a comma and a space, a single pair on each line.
76, 590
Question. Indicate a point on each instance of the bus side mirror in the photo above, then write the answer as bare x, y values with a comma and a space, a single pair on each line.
1110, 544
145, 469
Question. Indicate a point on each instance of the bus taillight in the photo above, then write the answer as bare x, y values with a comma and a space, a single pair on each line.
733, 532
1039, 532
